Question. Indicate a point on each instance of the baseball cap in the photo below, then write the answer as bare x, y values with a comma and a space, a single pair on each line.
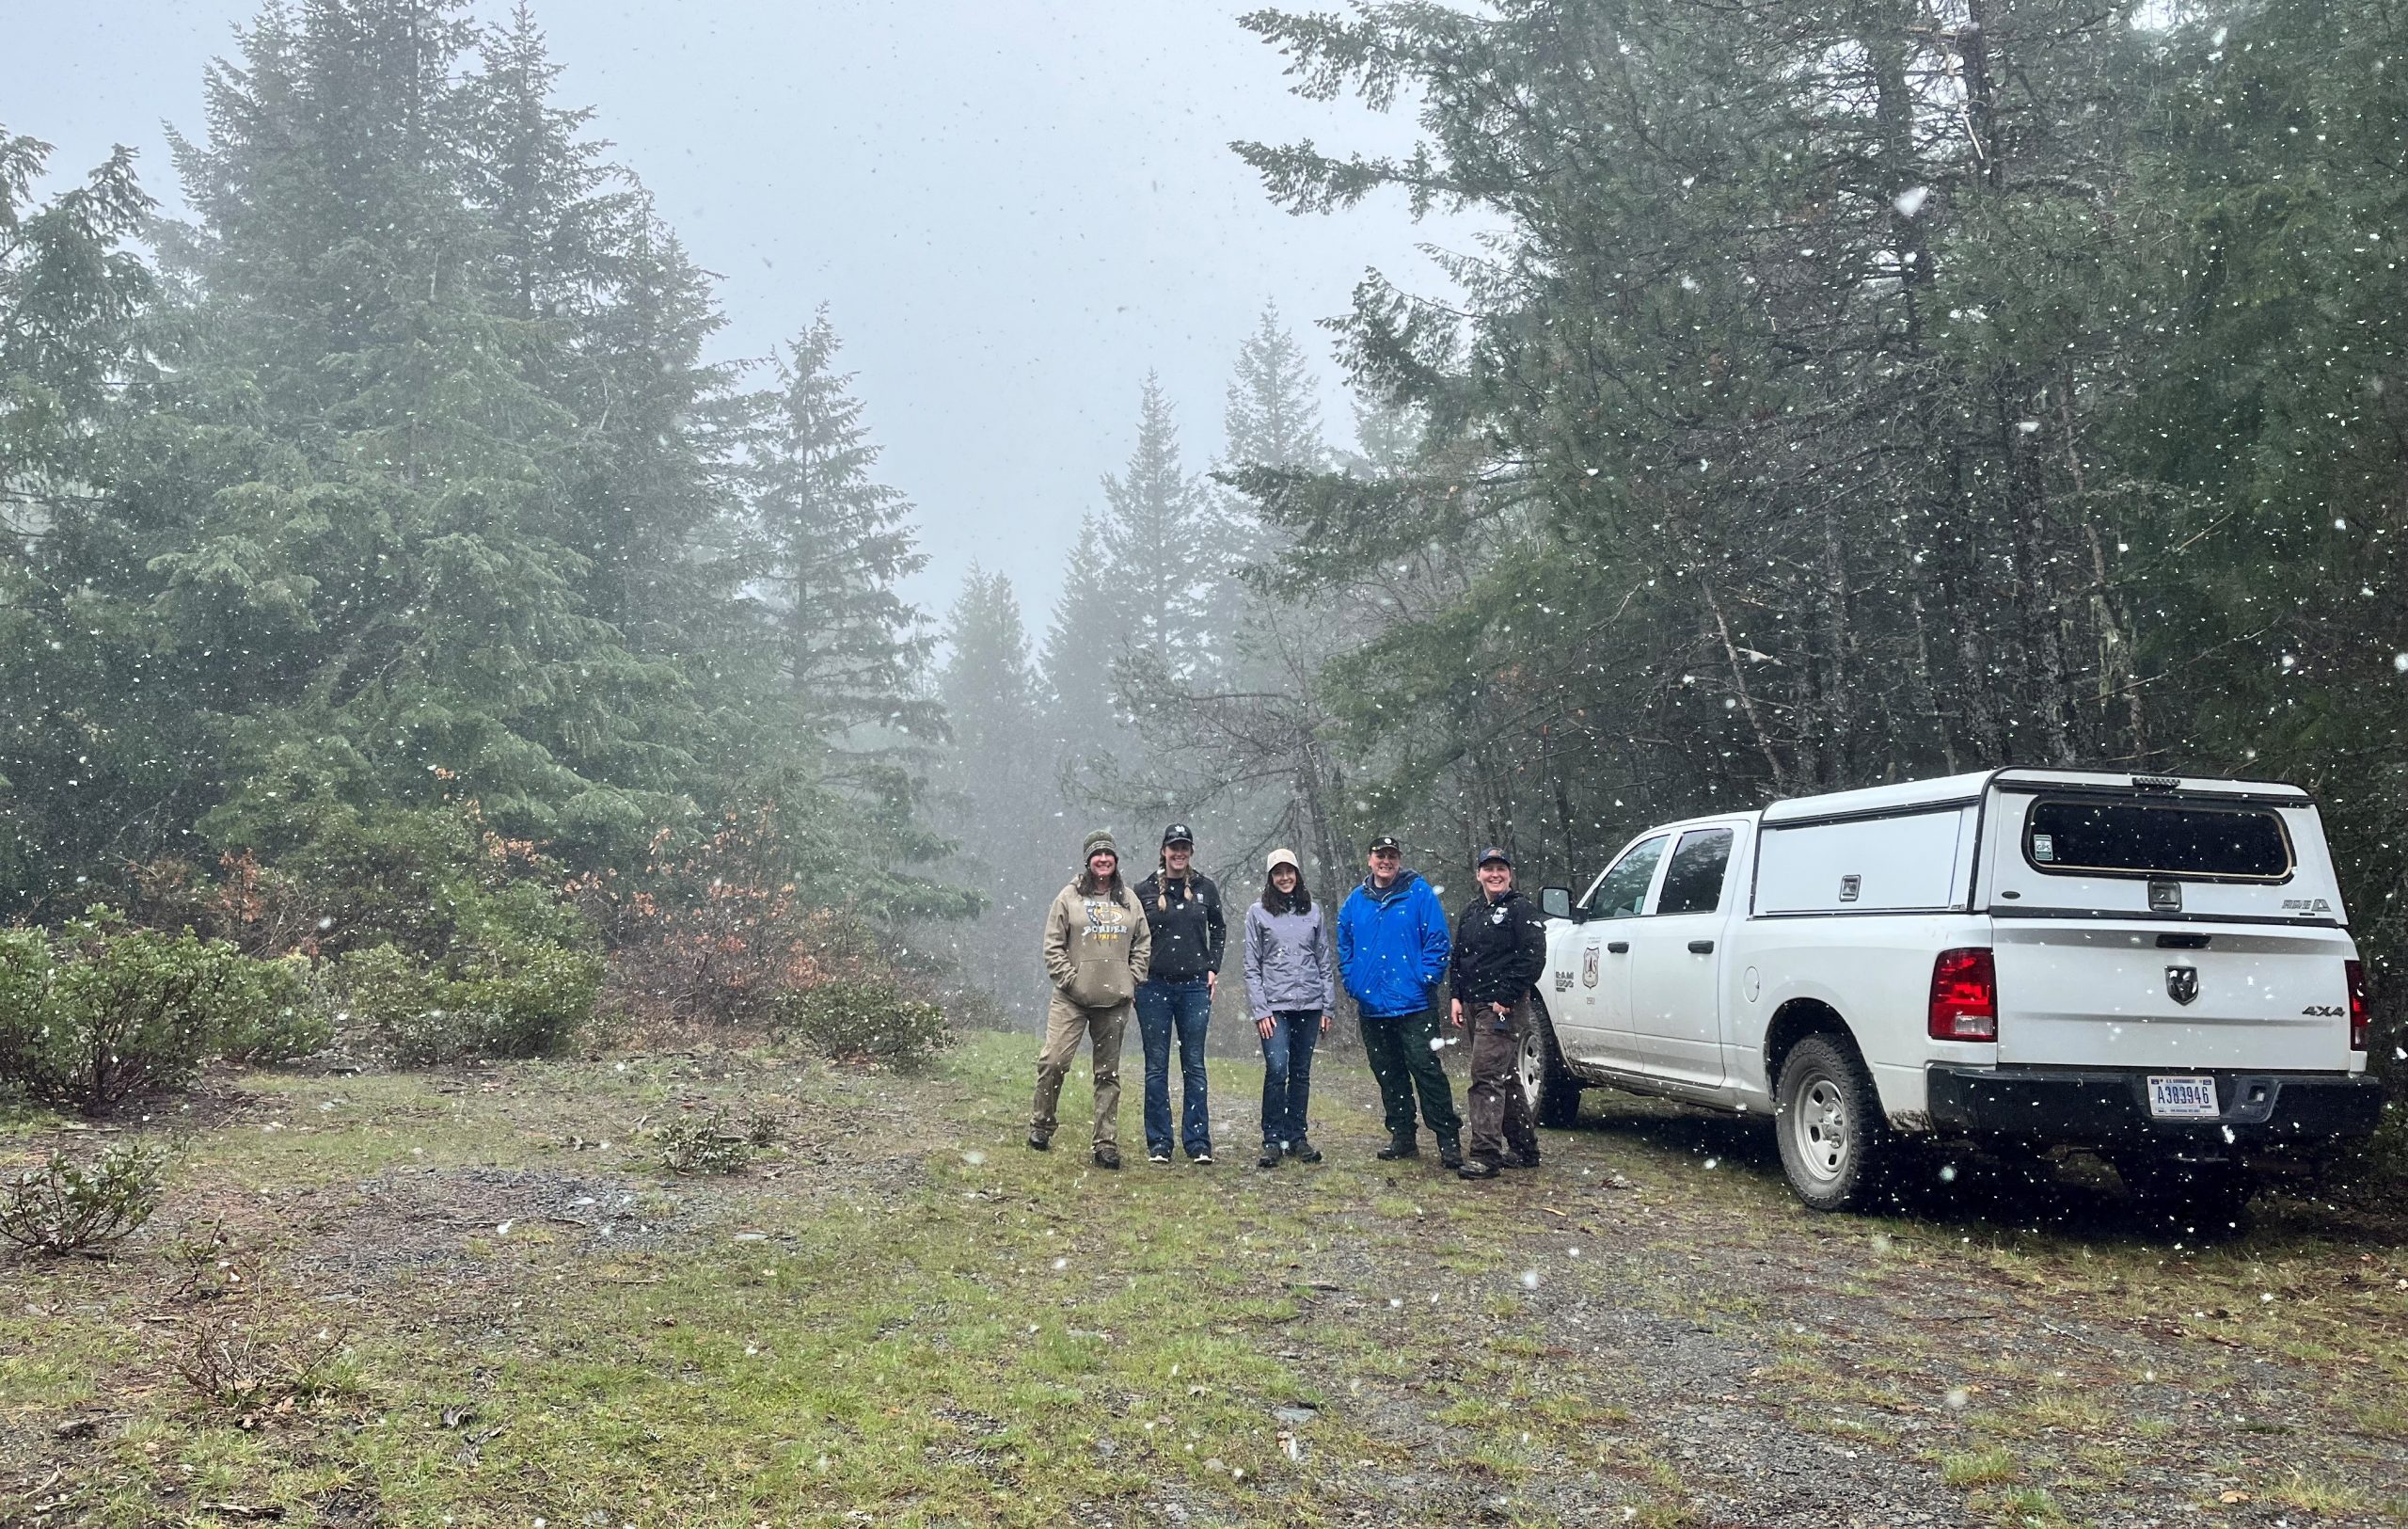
1280, 857
1492, 852
1387, 841
1177, 833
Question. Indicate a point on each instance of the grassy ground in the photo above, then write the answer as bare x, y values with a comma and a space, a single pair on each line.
472, 1299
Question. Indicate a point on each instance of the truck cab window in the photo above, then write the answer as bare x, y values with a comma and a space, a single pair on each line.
1693, 882
1622, 889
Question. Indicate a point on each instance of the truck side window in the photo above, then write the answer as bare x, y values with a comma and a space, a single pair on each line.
1621, 891
1693, 882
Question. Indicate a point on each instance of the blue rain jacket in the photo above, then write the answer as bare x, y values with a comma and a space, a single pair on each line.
1392, 945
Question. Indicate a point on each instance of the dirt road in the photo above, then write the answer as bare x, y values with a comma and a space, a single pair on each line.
477, 1298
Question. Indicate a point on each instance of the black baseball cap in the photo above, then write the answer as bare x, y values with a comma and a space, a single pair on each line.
1177, 833
1387, 841
1492, 852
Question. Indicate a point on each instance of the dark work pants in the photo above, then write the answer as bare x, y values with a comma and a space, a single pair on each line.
1402, 1060
1183, 1010
1288, 1074
1500, 1114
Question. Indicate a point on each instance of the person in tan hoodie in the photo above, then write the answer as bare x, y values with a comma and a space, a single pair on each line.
1097, 948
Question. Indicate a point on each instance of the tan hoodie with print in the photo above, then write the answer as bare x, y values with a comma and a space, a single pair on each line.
1097, 948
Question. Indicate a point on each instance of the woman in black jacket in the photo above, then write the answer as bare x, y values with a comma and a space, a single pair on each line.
1500, 948
1175, 1001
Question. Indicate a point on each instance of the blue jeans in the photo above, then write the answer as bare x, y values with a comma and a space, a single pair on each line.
1186, 1007
1288, 1074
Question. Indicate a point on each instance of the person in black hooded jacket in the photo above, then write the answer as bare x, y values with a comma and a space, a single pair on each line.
1500, 948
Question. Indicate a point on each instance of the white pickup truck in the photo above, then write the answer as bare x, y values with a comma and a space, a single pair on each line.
2154, 968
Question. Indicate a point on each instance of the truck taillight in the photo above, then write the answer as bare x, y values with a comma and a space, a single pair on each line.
1964, 996
2358, 971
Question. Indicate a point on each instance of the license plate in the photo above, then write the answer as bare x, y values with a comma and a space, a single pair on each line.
2183, 1098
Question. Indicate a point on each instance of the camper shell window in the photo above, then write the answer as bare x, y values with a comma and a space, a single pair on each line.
2091, 836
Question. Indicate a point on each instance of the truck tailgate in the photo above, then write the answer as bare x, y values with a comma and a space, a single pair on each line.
2103, 993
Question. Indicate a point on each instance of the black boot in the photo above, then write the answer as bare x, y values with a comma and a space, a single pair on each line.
1042, 1143
1402, 1144
1303, 1151
1107, 1156
1450, 1151
1270, 1158
1479, 1168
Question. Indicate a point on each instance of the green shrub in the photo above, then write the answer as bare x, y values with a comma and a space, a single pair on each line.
516, 998
864, 1019
102, 1012
69, 1207
704, 1144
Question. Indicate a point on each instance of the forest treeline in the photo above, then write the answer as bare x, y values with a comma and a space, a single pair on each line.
1849, 392
1845, 391
391, 579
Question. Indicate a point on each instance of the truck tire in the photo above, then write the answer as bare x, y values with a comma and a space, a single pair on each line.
2203, 1196
1552, 1091
1834, 1140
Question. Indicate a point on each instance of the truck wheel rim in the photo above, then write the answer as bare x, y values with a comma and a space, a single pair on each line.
1530, 1063
1818, 1128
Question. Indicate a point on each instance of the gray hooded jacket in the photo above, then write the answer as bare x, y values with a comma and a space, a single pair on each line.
1287, 961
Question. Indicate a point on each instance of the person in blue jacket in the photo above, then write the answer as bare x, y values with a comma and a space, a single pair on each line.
1392, 952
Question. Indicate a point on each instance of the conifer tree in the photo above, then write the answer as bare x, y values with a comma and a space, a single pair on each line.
830, 544
998, 796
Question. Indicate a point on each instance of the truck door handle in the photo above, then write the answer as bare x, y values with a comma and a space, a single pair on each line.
1620, 948
1701, 947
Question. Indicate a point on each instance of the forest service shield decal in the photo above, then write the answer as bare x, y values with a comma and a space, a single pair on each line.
1589, 967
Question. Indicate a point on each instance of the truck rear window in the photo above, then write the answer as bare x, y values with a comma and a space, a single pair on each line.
2148, 838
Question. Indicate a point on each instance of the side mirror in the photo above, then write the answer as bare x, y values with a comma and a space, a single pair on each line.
1555, 902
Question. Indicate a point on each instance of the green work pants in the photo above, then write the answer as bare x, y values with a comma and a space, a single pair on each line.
1403, 1060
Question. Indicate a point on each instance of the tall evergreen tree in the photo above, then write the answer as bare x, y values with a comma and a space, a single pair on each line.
998, 794
831, 543
85, 749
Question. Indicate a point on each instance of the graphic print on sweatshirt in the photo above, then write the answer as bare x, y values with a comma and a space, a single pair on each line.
1107, 920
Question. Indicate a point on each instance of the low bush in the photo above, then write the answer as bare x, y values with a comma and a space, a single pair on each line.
865, 1019
101, 1012
263, 1366
516, 997
64, 1206
706, 1144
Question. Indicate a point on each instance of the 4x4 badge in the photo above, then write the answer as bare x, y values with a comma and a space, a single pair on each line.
2183, 983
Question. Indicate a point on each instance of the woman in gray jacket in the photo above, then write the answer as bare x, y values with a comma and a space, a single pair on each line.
1288, 983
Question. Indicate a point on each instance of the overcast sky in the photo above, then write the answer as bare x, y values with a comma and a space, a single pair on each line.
1013, 209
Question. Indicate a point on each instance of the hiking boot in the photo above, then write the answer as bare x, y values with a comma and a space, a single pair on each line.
1400, 1145
1107, 1157
1159, 1155
1479, 1168
1270, 1158
1041, 1143
1303, 1151
1521, 1159
1450, 1151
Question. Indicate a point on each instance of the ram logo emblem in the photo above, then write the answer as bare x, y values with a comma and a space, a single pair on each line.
2183, 983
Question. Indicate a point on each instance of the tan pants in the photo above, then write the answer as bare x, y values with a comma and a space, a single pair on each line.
1065, 1024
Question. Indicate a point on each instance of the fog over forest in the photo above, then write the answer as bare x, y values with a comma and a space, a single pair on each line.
479, 452
1801, 604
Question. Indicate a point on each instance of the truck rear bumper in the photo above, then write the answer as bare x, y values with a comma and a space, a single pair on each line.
2092, 1107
